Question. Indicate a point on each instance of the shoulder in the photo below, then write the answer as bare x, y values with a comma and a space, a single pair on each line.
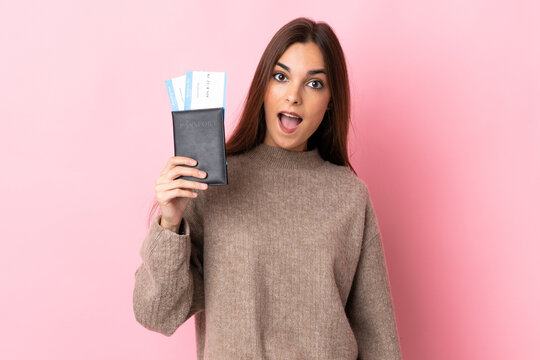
347, 180
359, 199
238, 160
354, 199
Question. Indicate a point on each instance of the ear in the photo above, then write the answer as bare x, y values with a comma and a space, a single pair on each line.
330, 105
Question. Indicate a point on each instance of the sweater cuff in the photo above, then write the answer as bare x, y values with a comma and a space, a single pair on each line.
183, 229
158, 236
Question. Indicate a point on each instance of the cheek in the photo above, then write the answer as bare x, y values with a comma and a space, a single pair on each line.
269, 105
318, 107
269, 99
272, 94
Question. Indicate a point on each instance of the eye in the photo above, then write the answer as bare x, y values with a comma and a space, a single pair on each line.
315, 84
279, 77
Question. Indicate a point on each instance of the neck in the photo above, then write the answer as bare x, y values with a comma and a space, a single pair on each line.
277, 157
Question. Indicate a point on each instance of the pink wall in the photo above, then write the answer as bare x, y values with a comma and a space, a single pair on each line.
446, 134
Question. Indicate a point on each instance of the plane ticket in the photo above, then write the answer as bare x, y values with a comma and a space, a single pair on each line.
197, 90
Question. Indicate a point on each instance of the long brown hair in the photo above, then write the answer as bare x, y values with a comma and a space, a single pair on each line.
331, 136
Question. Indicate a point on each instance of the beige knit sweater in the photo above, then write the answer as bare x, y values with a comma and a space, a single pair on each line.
284, 262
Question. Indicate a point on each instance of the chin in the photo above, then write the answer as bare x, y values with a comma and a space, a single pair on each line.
291, 147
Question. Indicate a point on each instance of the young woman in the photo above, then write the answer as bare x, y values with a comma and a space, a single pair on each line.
286, 261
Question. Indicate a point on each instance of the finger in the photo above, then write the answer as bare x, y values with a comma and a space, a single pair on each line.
185, 171
180, 171
168, 195
178, 160
180, 184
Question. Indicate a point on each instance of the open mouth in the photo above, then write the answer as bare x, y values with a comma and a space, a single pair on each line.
289, 122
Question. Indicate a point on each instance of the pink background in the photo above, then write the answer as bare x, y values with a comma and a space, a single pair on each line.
446, 133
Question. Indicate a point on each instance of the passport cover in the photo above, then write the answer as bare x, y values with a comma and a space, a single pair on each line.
200, 135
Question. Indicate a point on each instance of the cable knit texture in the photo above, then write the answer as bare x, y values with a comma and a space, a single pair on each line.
284, 262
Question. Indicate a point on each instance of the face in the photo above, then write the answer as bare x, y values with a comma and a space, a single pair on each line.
299, 88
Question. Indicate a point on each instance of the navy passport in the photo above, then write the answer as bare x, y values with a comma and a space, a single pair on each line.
200, 135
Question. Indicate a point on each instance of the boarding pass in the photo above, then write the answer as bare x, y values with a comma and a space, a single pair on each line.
197, 90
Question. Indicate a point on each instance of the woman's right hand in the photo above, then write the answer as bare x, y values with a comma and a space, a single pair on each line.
172, 195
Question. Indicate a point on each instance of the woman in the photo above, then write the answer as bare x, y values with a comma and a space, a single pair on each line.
286, 261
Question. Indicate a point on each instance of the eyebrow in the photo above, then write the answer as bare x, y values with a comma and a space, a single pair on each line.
310, 72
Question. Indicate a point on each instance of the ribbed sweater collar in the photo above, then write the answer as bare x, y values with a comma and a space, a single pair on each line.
275, 157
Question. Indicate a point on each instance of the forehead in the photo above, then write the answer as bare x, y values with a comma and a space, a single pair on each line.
302, 57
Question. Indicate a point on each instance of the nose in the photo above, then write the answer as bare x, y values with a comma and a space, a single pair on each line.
293, 95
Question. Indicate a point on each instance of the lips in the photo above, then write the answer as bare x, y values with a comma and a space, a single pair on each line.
289, 121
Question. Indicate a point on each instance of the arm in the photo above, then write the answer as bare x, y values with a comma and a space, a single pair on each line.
369, 305
169, 282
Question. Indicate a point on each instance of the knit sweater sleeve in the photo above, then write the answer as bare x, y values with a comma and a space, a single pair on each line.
369, 305
169, 282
